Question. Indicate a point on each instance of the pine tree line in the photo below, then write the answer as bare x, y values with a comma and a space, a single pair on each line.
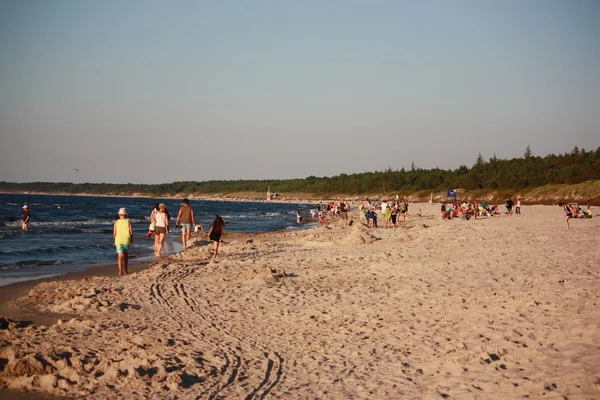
529, 171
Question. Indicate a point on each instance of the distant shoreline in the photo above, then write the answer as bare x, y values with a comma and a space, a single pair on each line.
584, 193
165, 197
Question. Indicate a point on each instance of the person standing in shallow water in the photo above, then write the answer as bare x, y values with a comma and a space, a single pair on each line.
215, 233
26, 217
123, 234
186, 217
161, 219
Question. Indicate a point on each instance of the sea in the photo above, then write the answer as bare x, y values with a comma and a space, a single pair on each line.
72, 233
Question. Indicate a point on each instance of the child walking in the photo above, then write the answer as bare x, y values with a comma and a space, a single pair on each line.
123, 234
216, 230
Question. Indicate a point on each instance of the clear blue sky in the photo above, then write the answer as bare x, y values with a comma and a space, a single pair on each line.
157, 91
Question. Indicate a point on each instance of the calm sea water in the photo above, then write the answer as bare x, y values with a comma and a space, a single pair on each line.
71, 233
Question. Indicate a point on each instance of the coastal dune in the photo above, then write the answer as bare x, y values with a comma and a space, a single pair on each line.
500, 307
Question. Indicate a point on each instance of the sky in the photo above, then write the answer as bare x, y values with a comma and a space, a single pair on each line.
158, 91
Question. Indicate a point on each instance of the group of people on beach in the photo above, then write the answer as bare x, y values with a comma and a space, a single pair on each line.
368, 210
327, 212
159, 227
390, 212
574, 211
474, 209
368, 213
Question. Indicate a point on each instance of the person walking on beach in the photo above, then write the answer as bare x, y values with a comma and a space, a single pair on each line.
26, 218
123, 234
216, 230
186, 217
509, 205
161, 220
518, 207
343, 207
388, 217
395, 213
404, 208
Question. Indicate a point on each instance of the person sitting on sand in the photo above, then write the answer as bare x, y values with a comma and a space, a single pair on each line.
123, 235
215, 233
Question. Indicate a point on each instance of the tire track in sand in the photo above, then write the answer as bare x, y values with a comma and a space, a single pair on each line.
168, 291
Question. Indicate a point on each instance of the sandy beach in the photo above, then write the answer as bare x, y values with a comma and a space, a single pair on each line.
494, 308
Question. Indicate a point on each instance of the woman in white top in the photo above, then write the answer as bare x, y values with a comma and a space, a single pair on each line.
161, 220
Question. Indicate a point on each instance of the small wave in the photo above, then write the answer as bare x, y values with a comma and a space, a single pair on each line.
102, 231
56, 250
29, 264
72, 223
4, 281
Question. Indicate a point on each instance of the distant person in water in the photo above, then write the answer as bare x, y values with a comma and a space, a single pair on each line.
161, 220
26, 218
299, 218
186, 217
215, 233
123, 234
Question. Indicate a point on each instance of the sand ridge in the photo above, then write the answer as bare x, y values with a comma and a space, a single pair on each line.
496, 308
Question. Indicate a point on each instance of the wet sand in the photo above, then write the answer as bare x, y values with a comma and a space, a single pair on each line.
28, 314
503, 307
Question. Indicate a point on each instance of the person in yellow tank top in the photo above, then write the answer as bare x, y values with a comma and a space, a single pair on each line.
123, 234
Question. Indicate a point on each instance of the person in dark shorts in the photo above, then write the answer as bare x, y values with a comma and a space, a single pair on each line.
395, 212
26, 218
344, 212
404, 208
215, 233
161, 220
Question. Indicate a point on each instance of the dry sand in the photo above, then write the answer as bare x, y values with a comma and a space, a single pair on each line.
501, 308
